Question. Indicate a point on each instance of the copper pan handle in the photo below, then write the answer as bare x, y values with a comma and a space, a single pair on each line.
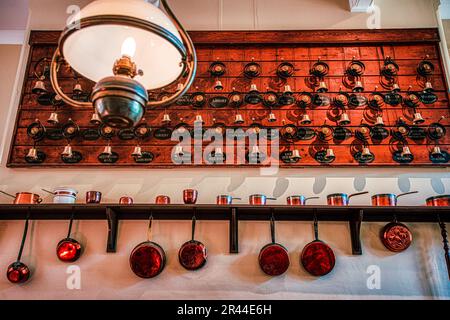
310, 198
45, 190
405, 194
358, 194
8, 194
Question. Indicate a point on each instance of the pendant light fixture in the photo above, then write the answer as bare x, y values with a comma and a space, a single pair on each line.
146, 48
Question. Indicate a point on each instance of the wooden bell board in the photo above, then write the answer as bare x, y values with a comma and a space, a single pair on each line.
268, 49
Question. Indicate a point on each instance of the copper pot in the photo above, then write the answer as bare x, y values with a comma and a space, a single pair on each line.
190, 196
298, 200
388, 199
342, 199
148, 258
24, 198
192, 254
93, 197
225, 199
396, 237
259, 199
439, 201
317, 257
273, 258
126, 200
162, 200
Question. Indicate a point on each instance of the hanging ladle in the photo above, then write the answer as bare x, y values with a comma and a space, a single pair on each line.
18, 272
68, 249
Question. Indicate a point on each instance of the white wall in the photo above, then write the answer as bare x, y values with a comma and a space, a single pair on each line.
417, 273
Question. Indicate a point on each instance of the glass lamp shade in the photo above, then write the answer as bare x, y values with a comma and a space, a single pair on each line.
93, 48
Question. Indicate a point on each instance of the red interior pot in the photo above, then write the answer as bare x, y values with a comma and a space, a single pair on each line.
317, 257
192, 254
68, 250
148, 258
273, 258
18, 272
439, 201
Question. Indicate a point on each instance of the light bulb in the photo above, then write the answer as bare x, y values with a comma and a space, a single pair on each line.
129, 47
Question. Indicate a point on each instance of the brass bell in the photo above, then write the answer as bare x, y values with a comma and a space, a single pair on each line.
67, 152
358, 87
137, 152
287, 89
95, 119
180, 87
39, 87
296, 155
436, 151
218, 151
255, 150
218, 85
272, 117
329, 154
379, 121
238, 119
322, 87
366, 153
166, 118
198, 119
53, 119
32, 153
107, 150
428, 87
395, 87
405, 151
305, 119
344, 119
253, 87
179, 151
418, 118
77, 88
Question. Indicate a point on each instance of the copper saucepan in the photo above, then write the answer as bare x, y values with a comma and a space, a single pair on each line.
24, 197
342, 199
148, 258
298, 200
259, 199
69, 249
388, 199
224, 199
18, 272
317, 257
192, 254
439, 201
161, 199
273, 258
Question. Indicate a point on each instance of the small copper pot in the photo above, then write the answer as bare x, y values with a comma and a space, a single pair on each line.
259, 199
24, 198
439, 201
388, 199
342, 199
93, 197
162, 200
225, 199
190, 196
298, 200
126, 200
